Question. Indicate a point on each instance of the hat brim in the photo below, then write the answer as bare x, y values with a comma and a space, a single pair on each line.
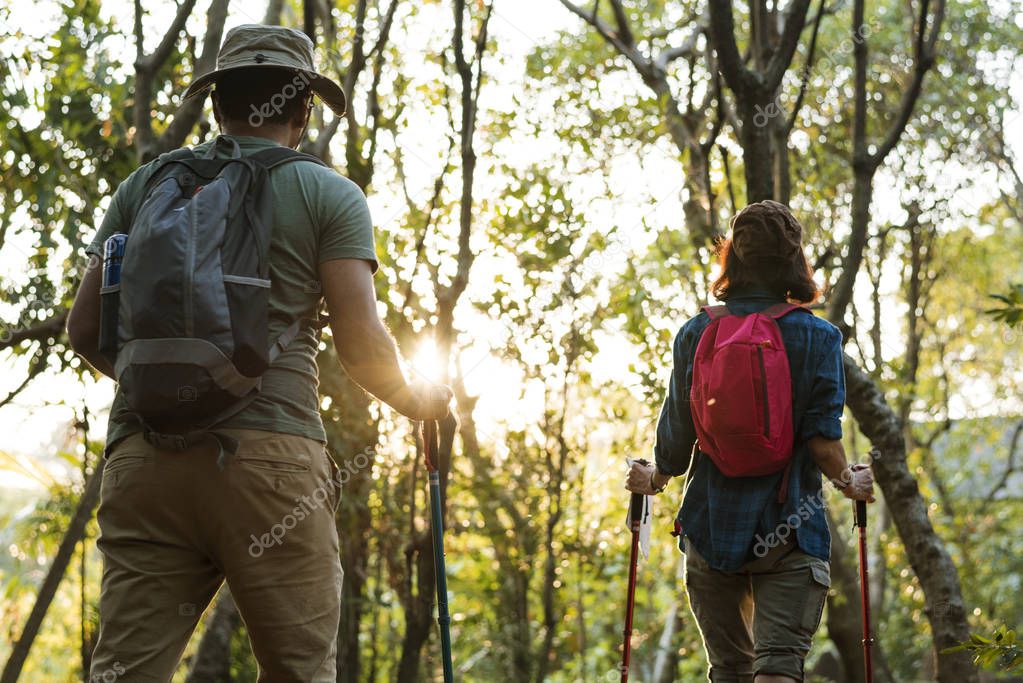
326, 89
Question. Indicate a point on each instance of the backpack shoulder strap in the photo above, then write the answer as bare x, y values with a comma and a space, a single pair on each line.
160, 164
175, 155
781, 310
715, 312
276, 156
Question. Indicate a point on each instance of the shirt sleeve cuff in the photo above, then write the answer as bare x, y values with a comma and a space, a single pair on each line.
827, 427
665, 465
353, 253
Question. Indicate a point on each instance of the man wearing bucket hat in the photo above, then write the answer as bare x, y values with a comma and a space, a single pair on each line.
174, 524
754, 531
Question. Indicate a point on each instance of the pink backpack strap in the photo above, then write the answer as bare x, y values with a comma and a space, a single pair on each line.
780, 310
716, 312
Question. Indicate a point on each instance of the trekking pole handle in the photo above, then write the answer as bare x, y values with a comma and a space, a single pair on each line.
861, 513
430, 444
636, 510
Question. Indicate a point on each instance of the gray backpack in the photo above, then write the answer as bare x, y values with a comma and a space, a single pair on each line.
192, 304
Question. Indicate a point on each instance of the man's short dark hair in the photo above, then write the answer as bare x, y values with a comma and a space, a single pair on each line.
262, 95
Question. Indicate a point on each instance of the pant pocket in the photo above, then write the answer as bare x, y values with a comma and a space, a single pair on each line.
816, 595
335, 480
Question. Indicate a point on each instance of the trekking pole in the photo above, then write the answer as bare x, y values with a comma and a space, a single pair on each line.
437, 526
635, 519
860, 510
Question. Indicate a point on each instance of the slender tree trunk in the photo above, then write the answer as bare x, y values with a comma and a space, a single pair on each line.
419, 613
782, 170
842, 293
274, 8
419, 606
757, 159
667, 658
354, 520
925, 551
212, 662
48, 589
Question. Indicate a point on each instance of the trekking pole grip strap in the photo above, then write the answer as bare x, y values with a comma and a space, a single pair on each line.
636, 509
861, 513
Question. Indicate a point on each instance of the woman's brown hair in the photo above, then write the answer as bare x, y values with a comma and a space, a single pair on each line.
766, 250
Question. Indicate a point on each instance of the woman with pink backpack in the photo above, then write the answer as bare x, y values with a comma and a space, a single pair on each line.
753, 418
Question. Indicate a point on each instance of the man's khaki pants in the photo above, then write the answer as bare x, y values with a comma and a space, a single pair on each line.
174, 525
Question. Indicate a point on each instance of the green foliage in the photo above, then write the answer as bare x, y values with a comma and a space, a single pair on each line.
1011, 313
999, 652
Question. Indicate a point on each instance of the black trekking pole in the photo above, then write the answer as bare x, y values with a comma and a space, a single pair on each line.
635, 519
437, 526
860, 511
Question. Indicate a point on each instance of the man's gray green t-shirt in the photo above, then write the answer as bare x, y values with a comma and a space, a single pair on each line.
318, 215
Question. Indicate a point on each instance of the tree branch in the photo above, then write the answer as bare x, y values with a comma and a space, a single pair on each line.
1010, 469
189, 111
155, 60
54, 575
47, 329
923, 60
722, 30
146, 67
622, 21
35, 368
795, 20
807, 68
670, 54
641, 63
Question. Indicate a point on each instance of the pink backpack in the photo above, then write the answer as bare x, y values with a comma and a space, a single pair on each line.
742, 393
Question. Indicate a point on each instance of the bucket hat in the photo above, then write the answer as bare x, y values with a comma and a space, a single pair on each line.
260, 46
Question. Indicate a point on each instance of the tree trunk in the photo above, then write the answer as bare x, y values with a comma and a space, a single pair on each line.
419, 611
782, 169
755, 136
419, 606
354, 521
842, 293
666, 660
925, 551
48, 589
212, 662
274, 9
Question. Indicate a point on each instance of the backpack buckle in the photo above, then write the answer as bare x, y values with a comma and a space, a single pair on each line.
677, 531
166, 442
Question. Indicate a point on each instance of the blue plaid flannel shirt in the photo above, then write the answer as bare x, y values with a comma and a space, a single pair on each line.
725, 517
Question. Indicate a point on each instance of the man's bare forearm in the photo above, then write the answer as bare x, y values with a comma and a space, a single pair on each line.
370, 357
829, 456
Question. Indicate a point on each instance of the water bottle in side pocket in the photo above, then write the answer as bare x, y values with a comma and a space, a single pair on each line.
110, 294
